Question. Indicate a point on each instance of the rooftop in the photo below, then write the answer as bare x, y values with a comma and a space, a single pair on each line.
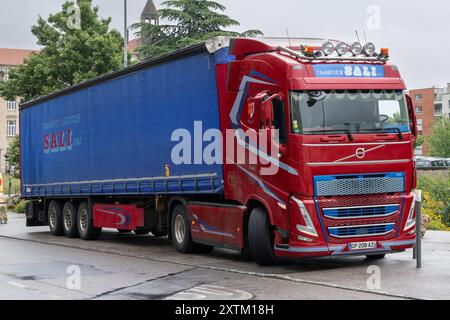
149, 9
14, 57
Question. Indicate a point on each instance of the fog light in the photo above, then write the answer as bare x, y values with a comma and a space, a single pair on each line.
369, 49
357, 48
342, 48
328, 48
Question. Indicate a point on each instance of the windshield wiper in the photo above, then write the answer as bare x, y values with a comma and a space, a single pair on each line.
386, 130
346, 131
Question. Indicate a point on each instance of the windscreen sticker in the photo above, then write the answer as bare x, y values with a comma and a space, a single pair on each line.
348, 71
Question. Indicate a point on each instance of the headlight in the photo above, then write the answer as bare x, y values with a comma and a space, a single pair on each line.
411, 222
308, 228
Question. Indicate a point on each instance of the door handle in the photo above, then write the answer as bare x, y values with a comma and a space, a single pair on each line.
333, 139
384, 138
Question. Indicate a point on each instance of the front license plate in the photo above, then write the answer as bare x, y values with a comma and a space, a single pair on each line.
362, 245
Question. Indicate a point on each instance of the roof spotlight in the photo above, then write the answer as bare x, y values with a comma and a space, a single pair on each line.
369, 49
342, 48
357, 48
328, 48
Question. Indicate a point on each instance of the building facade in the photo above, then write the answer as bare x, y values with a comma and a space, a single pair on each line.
9, 110
431, 104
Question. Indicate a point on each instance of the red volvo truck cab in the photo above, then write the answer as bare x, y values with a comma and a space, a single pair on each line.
346, 134
316, 156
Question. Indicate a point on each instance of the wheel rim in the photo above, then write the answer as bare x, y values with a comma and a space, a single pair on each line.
52, 218
83, 220
67, 219
179, 229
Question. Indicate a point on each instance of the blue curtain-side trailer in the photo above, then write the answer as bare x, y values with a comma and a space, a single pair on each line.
99, 154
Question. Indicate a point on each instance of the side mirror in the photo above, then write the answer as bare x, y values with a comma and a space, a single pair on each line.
412, 116
266, 114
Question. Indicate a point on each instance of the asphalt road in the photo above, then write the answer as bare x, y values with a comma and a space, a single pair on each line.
36, 265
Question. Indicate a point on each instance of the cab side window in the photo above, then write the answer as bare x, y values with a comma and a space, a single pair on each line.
279, 119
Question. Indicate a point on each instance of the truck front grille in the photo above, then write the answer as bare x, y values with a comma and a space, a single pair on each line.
326, 186
352, 216
361, 212
361, 231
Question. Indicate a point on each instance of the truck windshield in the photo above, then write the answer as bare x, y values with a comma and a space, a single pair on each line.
317, 112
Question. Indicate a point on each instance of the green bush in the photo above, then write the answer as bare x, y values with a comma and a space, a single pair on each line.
438, 190
20, 207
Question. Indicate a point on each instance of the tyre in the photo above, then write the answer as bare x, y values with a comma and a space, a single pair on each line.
86, 224
376, 257
69, 215
181, 233
260, 238
55, 220
141, 231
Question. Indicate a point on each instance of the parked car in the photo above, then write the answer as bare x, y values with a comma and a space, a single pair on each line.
431, 163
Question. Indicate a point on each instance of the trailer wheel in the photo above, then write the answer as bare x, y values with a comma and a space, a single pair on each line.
55, 220
69, 214
181, 233
260, 238
86, 224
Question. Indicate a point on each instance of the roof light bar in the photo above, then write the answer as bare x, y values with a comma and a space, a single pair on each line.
339, 51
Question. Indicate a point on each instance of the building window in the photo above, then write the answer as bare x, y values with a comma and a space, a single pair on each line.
420, 125
419, 97
438, 109
418, 110
11, 128
11, 105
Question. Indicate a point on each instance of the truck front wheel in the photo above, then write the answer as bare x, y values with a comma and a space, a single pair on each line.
260, 238
55, 220
181, 233
86, 224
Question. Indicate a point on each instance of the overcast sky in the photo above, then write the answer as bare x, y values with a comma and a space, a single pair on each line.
416, 31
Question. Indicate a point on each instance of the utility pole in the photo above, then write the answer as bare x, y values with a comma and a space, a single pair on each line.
125, 36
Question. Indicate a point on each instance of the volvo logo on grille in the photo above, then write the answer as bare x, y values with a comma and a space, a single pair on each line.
360, 153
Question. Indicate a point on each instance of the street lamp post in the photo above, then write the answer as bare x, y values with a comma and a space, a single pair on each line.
125, 36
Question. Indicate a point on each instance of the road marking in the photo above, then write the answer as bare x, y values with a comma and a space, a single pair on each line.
210, 292
15, 284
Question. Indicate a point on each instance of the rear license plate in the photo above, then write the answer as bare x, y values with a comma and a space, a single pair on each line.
362, 246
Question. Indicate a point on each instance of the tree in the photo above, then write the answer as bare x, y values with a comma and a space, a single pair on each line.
193, 21
419, 141
439, 141
77, 45
12, 155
